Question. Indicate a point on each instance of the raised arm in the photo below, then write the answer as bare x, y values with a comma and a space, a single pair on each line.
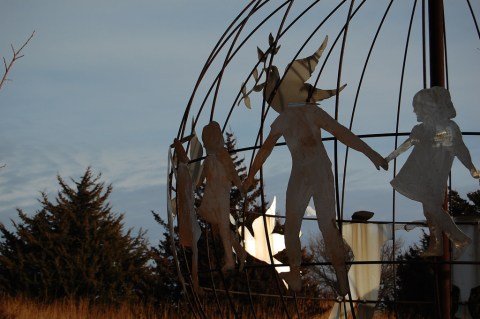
181, 154
261, 157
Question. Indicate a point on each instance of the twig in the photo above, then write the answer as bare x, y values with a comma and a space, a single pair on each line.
16, 56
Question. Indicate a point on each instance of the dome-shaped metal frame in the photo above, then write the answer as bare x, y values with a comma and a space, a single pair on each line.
423, 24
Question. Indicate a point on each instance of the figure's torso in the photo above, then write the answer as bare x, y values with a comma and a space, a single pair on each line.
302, 134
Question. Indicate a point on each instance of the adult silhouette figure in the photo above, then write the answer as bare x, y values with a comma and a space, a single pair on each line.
311, 176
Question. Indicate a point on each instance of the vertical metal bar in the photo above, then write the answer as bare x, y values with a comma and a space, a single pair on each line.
397, 121
265, 108
337, 104
437, 45
437, 78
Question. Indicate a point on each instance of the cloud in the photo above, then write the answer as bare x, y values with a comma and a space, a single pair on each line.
32, 169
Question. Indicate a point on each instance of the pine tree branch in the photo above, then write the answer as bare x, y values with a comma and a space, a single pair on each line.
15, 57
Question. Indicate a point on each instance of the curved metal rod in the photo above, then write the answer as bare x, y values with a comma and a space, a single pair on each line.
350, 126
216, 53
227, 60
207, 95
211, 57
445, 53
474, 18
262, 194
335, 142
256, 65
400, 91
424, 46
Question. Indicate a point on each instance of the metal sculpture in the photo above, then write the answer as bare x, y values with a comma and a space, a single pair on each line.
423, 178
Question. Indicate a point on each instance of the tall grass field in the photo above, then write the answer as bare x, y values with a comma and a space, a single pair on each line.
21, 308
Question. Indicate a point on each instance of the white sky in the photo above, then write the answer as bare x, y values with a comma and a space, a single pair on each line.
105, 84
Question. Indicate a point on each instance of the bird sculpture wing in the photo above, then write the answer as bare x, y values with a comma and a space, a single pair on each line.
319, 94
300, 70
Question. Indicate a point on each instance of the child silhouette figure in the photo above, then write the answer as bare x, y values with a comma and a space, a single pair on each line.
437, 140
219, 172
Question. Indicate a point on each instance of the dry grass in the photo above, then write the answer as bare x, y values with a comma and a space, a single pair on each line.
20, 308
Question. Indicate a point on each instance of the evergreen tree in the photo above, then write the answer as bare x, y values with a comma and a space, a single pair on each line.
415, 283
251, 203
167, 286
463, 207
74, 247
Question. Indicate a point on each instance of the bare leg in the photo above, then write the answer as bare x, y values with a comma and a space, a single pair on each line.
296, 202
239, 250
324, 201
444, 223
224, 231
435, 245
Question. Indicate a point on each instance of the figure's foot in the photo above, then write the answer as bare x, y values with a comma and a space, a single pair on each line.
340, 263
459, 247
293, 280
343, 287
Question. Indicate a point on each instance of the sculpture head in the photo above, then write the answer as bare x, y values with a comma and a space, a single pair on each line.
181, 155
433, 103
212, 137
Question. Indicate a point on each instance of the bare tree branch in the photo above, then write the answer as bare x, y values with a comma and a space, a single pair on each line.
15, 57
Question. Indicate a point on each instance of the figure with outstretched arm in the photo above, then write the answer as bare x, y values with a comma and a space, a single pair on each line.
189, 229
300, 122
311, 176
219, 172
436, 141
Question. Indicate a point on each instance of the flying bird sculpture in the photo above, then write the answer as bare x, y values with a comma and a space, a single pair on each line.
292, 88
